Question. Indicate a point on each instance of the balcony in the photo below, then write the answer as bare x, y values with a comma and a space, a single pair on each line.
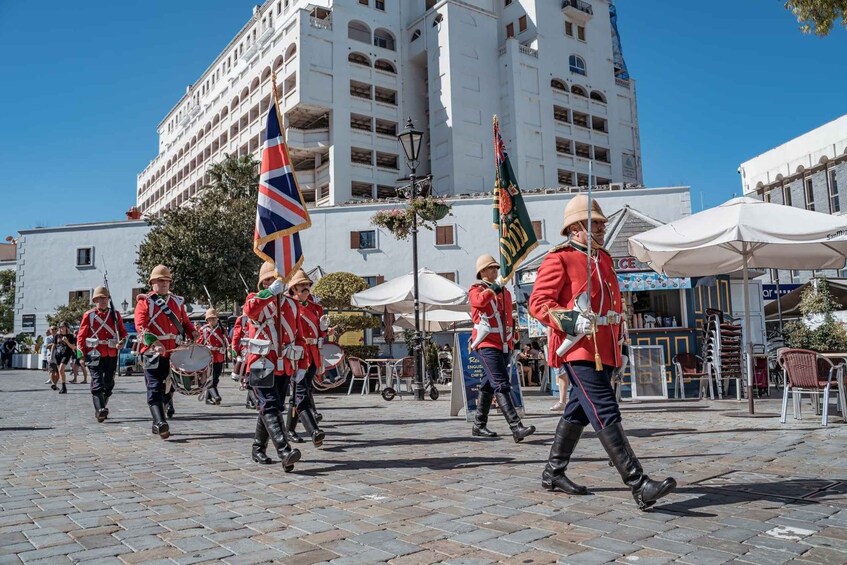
577, 10
307, 138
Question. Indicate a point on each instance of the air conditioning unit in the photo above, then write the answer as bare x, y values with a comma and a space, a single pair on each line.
574, 189
616, 186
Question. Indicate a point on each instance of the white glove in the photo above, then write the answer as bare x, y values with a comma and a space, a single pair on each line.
583, 325
320, 342
276, 287
324, 323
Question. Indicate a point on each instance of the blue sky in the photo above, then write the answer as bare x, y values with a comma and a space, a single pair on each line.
86, 83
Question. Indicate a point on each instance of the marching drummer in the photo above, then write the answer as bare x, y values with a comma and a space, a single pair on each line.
314, 324
162, 323
101, 331
214, 338
274, 326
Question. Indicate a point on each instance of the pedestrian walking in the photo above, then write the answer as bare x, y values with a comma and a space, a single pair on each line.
162, 324
101, 333
494, 338
65, 351
586, 339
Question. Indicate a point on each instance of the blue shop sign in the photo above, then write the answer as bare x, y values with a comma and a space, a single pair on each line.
769, 290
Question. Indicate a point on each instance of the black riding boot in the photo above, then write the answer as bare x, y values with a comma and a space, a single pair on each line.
480, 422
216, 396
291, 425
519, 431
645, 491
287, 456
99, 407
308, 420
260, 443
318, 416
106, 406
160, 426
251, 403
170, 405
554, 478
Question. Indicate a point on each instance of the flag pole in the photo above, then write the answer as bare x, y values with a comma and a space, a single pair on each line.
598, 363
278, 112
496, 200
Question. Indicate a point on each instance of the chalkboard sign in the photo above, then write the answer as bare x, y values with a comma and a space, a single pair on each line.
467, 378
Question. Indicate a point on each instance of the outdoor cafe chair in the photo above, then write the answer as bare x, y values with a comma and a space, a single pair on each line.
363, 371
687, 370
807, 372
403, 371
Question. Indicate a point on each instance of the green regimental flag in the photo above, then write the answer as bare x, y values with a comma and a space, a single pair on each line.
511, 220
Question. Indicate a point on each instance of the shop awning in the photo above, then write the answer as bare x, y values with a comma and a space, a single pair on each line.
791, 302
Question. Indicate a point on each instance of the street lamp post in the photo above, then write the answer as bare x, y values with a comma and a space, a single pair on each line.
124, 305
410, 139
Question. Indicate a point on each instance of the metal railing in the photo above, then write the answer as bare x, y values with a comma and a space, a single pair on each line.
579, 5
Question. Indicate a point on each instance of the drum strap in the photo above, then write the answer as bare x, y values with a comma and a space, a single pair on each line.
285, 325
163, 306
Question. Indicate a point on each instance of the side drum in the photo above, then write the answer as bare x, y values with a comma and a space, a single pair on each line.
190, 369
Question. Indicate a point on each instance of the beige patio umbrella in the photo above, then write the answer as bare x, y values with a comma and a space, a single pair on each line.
740, 234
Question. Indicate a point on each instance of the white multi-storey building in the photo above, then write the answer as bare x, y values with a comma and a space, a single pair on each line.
809, 171
349, 73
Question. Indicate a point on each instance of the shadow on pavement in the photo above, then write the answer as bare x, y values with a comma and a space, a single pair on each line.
434, 463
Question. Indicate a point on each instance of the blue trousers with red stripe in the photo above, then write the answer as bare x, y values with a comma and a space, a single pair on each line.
592, 396
495, 367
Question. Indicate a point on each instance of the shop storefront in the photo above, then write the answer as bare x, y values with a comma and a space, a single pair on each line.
664, 314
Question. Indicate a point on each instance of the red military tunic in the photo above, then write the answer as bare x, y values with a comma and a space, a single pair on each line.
497, 308
150, 318
562, 276
310, 324
238, 333
275, 319
100, 324
215, 340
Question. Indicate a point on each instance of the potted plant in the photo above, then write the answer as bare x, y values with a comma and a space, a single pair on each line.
398, 222
818, 329
430, 208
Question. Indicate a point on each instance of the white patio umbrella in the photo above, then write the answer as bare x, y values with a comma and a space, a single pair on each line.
398, 295
739, 234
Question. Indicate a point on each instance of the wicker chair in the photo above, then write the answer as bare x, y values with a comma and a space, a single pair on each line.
688, 369
807, 372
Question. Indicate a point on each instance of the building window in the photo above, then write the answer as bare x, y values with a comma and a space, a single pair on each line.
834, 202
522, 23
507, 2
437, 20
384, 39
363, 2
85, 257
766, 196
580, 119
601, 154
564, 146
510, 30
415, 35
786, 195
379, 5
445, 235
451, 276
77, 294
580, 33
560, 114
577, 64
363, 239
538, 228
810, 194
569, 29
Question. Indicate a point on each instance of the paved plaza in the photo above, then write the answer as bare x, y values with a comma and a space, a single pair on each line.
402, 482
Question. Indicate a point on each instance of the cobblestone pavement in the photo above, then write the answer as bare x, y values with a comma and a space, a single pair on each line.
402, 482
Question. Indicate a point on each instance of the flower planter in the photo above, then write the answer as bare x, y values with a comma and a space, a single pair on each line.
438, 212
25, 361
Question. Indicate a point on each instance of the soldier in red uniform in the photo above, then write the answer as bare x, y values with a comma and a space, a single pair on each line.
101, 332
213, 336
239, 352
584, 330
162, 323
274, 319
313, 324
493, 338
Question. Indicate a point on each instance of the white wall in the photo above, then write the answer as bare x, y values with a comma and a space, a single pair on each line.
327, 242
47, 269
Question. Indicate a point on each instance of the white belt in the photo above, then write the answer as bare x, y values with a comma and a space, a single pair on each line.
311, 341
218, 349
166, 336
610, 319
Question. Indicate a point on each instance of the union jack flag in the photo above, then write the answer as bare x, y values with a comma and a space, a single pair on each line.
280, 211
